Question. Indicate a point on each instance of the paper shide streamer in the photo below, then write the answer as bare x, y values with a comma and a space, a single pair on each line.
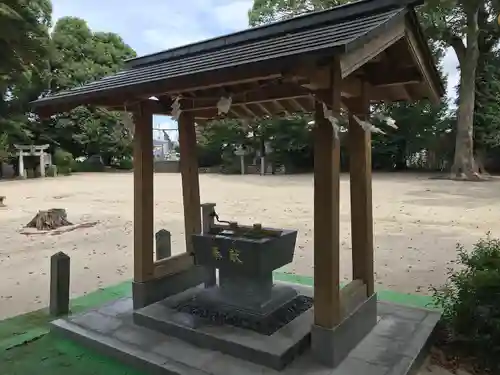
176, 108
328, 114
224, 105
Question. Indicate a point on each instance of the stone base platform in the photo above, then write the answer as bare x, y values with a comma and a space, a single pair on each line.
394, 347
275, 350
212, 297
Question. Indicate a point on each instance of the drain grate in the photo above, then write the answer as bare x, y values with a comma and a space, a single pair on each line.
265, 326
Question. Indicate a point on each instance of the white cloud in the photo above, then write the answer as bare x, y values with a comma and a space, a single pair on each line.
233, 15
159, 39
201, 20
154, 25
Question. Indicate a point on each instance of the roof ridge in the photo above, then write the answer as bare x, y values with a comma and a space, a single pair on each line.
310, 20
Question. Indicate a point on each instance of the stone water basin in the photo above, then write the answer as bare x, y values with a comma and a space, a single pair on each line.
249, 253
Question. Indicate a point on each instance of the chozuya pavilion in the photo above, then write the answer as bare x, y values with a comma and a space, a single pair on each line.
186, 318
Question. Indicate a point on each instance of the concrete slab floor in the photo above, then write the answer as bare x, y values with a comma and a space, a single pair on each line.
275, 350
394, 347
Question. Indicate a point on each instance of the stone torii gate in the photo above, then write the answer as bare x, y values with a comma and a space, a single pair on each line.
31, 150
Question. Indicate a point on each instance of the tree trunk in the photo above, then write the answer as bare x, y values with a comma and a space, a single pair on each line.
479, 162
50, 219
463, 164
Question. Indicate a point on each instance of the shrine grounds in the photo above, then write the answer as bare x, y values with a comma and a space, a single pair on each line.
417, 223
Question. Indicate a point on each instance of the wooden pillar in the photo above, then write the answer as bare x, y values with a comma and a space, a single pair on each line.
360, 167
143, 195
189, 174
326, 211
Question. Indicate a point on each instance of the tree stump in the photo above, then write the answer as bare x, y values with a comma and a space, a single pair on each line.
50, 219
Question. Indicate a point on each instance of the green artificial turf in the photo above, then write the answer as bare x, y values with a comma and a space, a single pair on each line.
28, 348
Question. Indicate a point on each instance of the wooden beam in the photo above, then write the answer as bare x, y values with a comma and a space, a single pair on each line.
280, 108
190, 182
297, 104
235, 111
256, 108
264, 109
143, 195
351, 296
289, 107
395, 77
365, 52
351, 86
360, 167
424, 66
248, 111
327, 311
207, 107
115, 103
174, 85
263, 95
174, 264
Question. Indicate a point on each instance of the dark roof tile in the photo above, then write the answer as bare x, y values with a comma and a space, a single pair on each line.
315, 38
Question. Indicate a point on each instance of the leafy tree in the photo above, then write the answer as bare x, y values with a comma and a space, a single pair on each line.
78, 56
23, 36
267, 11
451, 22
290, 140
487, 109
24, 40
423, 129
421, 125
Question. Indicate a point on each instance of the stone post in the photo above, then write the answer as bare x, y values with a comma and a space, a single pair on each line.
21, 164
207, 210
42, 164
242, 164
163, 244
59, 284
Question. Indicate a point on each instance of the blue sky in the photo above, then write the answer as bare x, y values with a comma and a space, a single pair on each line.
149, 26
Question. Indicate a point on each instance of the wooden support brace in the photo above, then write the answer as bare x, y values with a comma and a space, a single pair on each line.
327, 312
143, 196
189, 175
351, 296
174, 264
360, 167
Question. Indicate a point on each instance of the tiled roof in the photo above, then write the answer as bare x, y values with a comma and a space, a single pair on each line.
326, 30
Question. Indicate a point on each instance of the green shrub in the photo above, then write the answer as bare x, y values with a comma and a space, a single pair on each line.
63, 158
125, 164
64, 170
87, 166
51, 171
64, 161
471, 304
76, 166
94, 163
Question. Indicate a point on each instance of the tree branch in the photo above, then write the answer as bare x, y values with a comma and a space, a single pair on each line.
459, 47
